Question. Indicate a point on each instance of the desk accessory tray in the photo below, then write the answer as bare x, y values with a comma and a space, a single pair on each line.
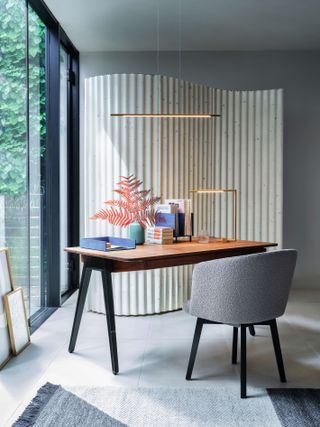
100, 243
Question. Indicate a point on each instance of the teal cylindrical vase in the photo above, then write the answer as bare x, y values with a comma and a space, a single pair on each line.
136, 232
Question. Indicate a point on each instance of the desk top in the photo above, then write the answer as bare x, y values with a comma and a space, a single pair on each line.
182, 253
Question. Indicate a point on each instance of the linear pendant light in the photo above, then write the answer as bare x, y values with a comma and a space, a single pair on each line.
167, 115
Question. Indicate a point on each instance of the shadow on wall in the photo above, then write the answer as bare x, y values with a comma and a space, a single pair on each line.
242, 149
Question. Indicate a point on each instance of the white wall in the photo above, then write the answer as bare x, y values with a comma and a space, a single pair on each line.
242, 149
298, 74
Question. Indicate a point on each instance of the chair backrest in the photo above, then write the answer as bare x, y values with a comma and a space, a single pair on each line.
243, 289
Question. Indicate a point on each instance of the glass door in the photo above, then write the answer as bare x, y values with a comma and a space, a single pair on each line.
63, 154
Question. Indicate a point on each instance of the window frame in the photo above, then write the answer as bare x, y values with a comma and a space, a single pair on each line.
73, 162
51, 277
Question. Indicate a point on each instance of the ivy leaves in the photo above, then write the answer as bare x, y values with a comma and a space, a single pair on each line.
13, 92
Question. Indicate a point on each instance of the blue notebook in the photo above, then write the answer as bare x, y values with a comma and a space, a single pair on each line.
167, 220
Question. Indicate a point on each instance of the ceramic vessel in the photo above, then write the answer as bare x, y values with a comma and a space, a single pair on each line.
136, 232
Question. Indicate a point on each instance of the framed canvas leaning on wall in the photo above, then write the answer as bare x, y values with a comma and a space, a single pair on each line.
17, 320
6, 286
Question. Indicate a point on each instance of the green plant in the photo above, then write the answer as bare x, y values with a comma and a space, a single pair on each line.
13, 92
134, 206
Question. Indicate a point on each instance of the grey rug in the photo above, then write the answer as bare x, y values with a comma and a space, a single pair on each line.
197, 406
55, 407
296, 407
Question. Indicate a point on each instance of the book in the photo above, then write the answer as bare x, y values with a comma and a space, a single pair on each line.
171, 208
168, 220
159, 233
184, 205
159, 236
160, 229
160, 242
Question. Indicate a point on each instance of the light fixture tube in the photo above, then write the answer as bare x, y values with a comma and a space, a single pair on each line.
166, 116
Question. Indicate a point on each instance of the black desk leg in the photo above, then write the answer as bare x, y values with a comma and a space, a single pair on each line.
83, 289
108, 300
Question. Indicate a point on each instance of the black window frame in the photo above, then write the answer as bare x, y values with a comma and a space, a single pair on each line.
51, 274
73, 162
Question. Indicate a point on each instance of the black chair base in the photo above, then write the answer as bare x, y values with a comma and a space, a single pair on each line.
243, 349
252, 330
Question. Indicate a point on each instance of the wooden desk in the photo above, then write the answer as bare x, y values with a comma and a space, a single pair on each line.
145, 257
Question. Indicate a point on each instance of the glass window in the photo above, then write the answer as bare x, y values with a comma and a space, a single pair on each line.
14, 197
38, 142
37, 153
22, 147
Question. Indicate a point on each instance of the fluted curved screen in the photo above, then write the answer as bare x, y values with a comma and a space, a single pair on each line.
242, 149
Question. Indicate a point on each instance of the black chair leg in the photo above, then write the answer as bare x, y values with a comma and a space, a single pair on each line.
252, 330
234, 346
243, 363
277, 350
194, 348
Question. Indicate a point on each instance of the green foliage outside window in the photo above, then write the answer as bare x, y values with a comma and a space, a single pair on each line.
13, 93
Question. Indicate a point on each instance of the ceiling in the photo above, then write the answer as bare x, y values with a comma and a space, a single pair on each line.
131, 25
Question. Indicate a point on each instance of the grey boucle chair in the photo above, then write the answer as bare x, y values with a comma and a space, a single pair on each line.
242, 291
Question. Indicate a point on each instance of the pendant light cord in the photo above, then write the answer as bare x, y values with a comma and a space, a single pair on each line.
179, 37
159, 189
158, 54
158, 37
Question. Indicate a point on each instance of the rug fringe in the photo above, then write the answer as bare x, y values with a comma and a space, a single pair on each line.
32, 411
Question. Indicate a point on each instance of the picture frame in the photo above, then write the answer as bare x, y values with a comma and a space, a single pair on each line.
6, 286
17, 320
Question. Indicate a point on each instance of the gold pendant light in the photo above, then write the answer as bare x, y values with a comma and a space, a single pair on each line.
167, 115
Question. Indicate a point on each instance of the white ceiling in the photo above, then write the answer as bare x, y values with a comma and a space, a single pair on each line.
131, 25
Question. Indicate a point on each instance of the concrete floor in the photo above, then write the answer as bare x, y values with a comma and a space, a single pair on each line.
154, 350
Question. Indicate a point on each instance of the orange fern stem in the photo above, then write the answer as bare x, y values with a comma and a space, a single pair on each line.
134, 205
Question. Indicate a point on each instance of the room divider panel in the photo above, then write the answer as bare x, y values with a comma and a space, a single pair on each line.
242, 149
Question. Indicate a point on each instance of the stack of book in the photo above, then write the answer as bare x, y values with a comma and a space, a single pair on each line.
159, 235
176, 214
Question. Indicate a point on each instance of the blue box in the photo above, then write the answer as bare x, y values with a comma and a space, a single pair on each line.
100, 243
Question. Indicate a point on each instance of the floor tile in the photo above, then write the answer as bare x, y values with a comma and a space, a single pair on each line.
154, 351
165, 363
